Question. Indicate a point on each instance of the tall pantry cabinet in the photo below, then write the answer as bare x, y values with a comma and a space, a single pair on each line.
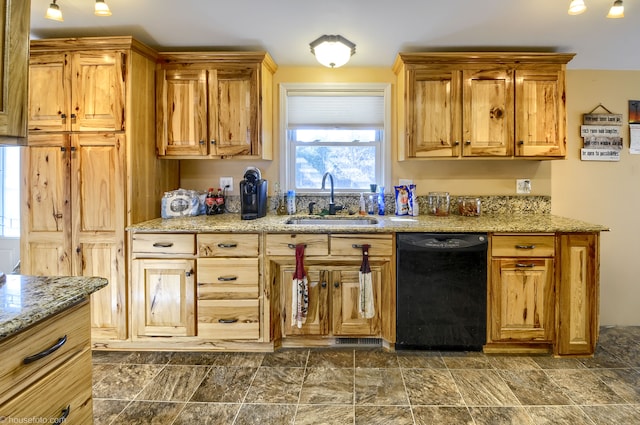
91, 167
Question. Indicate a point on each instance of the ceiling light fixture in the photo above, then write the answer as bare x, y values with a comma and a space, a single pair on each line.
577, 7
617, 10
53, 12
102, 9
332, 51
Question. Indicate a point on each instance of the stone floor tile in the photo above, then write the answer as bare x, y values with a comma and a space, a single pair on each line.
276, 385
375, 358
431, 387
225, 385
174, 383
207, 414
534, 387
380, 386
319, 414
442, 415
383, 415
125, 381
584, 387
149, 413
105, 411
338, 358
614, 414
483, 388
558, 415
267, 414
420, 359
500, 416
289, 357
328, 386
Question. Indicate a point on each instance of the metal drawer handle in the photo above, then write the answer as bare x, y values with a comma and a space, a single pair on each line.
531, 265
163, 244
63, 417
525, 246
227, 278
228, 245
46, 352
226, 321
293, 246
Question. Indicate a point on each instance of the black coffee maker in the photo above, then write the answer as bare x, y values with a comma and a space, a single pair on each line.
253, 195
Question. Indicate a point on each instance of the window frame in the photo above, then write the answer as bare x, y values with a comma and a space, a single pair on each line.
383, 155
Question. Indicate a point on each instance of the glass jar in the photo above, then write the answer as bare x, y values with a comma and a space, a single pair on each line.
468, 206
438, 203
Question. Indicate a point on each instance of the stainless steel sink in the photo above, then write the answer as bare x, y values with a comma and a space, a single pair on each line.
332, 221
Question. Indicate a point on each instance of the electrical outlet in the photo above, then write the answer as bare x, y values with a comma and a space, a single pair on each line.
226, 182
523, 186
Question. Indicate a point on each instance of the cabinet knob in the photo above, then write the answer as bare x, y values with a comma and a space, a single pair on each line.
467, 142
63, 116
336, 284
520, 142
456, 143
189, 273
201, 142
323, 284
63, 149
213, 142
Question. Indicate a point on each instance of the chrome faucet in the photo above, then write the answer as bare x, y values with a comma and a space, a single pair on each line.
332, 206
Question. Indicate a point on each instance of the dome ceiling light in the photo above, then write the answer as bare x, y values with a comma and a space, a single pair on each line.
332, 51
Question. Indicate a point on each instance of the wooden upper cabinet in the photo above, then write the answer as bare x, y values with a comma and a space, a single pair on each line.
214, 105
85, 91
488, 112
14, 54
491, 104
435, 128
540, 112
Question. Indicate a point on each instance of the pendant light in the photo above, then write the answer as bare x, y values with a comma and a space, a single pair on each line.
577, 7
54, 13
102, 9
617, 10
332, 51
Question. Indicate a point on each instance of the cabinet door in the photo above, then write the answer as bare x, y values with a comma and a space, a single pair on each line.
98, 90
488, 112
233, 110
14, 54
522, 303
46, 228
347, 320
317, 322
540, 112
182, 112
435, 122
49, 92
98, 196
578, 294
163, 298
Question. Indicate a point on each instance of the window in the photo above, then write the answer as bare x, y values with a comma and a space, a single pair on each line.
10, 191
341, 129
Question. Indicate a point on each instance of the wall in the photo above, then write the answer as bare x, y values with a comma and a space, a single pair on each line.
603, 193
607, 193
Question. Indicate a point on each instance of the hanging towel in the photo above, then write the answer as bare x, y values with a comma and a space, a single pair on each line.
366, 306
299, 291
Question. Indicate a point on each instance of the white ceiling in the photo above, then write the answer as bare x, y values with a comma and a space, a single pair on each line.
379, 28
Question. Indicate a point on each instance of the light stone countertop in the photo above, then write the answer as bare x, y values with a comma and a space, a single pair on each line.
26, 300
508, 223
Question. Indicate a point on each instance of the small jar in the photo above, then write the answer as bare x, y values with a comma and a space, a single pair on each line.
438, 203
468, 206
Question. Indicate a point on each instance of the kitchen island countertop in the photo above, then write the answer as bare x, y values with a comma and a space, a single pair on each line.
26, 300
502, 223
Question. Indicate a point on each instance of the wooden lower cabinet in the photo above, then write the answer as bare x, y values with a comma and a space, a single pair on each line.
522, 301
578, 294
53, 387
163, 297
333, 302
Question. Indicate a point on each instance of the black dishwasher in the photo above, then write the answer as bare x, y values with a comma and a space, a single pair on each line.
441, 281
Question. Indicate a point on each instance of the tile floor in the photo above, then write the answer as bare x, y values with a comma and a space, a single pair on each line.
370, 386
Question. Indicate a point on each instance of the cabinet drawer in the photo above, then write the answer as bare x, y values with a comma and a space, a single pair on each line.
380, 245
67, 389
523, 246
41, 340
163, 243
229, 319
285, 244
227, 278
228, 245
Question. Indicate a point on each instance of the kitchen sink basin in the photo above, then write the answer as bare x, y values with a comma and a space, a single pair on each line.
332, 221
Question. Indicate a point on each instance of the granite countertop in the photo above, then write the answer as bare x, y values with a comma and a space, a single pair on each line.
26, 300
512, 223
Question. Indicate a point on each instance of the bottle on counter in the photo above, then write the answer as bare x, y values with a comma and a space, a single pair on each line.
220, 201
381, 206
363, 208
210, 202
291, 202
